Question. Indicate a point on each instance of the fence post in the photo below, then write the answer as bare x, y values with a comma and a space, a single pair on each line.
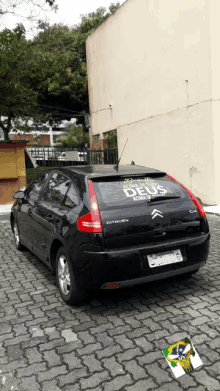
116, 155
106, 156
88, 157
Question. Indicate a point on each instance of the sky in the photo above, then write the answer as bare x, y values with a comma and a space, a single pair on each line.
68, 13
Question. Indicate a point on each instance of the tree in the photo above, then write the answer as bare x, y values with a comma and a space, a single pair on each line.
46, 78
14, 8
17, 98
70, 45
75, 138
111, 139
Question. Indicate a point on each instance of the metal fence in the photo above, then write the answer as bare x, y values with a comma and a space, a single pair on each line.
59, 157
48, 157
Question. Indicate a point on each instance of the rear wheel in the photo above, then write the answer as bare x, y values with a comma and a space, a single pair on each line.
18, 244
70, 289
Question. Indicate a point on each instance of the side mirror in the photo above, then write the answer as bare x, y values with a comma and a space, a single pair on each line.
19, 194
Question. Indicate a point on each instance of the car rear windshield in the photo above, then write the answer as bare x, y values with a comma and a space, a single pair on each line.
129, 191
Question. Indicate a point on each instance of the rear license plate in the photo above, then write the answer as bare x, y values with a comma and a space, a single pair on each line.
166, 258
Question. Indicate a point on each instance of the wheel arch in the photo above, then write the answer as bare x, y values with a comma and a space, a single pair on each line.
55, 246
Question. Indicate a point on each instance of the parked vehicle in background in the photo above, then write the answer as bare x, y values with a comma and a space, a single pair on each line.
108, 227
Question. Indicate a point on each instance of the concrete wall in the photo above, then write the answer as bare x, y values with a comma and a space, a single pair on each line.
153, 62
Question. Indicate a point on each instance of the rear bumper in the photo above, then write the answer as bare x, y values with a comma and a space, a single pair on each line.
137, 251
155, 277
130, 266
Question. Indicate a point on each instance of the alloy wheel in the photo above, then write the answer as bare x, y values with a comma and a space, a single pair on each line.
16, 235
64, 275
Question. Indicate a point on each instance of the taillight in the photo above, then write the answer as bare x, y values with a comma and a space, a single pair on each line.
91, 222
196, 202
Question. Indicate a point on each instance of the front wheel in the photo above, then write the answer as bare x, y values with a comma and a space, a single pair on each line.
70, 289
18, 244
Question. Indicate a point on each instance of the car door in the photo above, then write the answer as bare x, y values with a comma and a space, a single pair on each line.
25, 209
48, 214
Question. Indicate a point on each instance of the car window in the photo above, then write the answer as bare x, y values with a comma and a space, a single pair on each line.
37, 185
125, 192
71, 198
55, 189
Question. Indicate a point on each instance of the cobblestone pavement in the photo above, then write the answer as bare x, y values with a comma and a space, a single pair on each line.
114, 341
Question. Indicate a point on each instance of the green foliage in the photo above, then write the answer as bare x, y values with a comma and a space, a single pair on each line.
111, 139
75, 138
32, 173
37, 138
46, 78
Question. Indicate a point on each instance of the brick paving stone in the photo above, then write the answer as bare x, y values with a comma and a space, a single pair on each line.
86, 337
186, 381
175, 338
207, 381
72, 361
13, 365
143, 385
31, 369
75, 387
72, 377
130, 327
51, 373
52, 358
169, 387
213, 370
104, 339
149, 358
50, 386
92, 363
88, 349
151, 324
214, 344
208, 330
119, 330
94, 380
136, 370
51, 345
109, 351
118, 383
71, 346
211, 355
157, 373
129, 354
29, 383
124, 342
113, 366
144, 344
33, 355
138, 332
116, 321
145, 315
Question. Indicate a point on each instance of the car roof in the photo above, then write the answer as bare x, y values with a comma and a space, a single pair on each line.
105, 170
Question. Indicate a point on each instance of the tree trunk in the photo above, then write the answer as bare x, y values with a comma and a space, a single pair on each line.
6, 134
6, 129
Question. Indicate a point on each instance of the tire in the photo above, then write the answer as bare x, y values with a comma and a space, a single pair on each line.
18, 244
70, 290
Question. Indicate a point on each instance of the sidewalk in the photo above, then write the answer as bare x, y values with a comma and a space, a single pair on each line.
5, 209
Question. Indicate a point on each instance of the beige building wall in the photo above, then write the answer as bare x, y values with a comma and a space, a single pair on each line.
154, 64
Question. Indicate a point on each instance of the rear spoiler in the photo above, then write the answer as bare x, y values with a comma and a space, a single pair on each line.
150, 174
